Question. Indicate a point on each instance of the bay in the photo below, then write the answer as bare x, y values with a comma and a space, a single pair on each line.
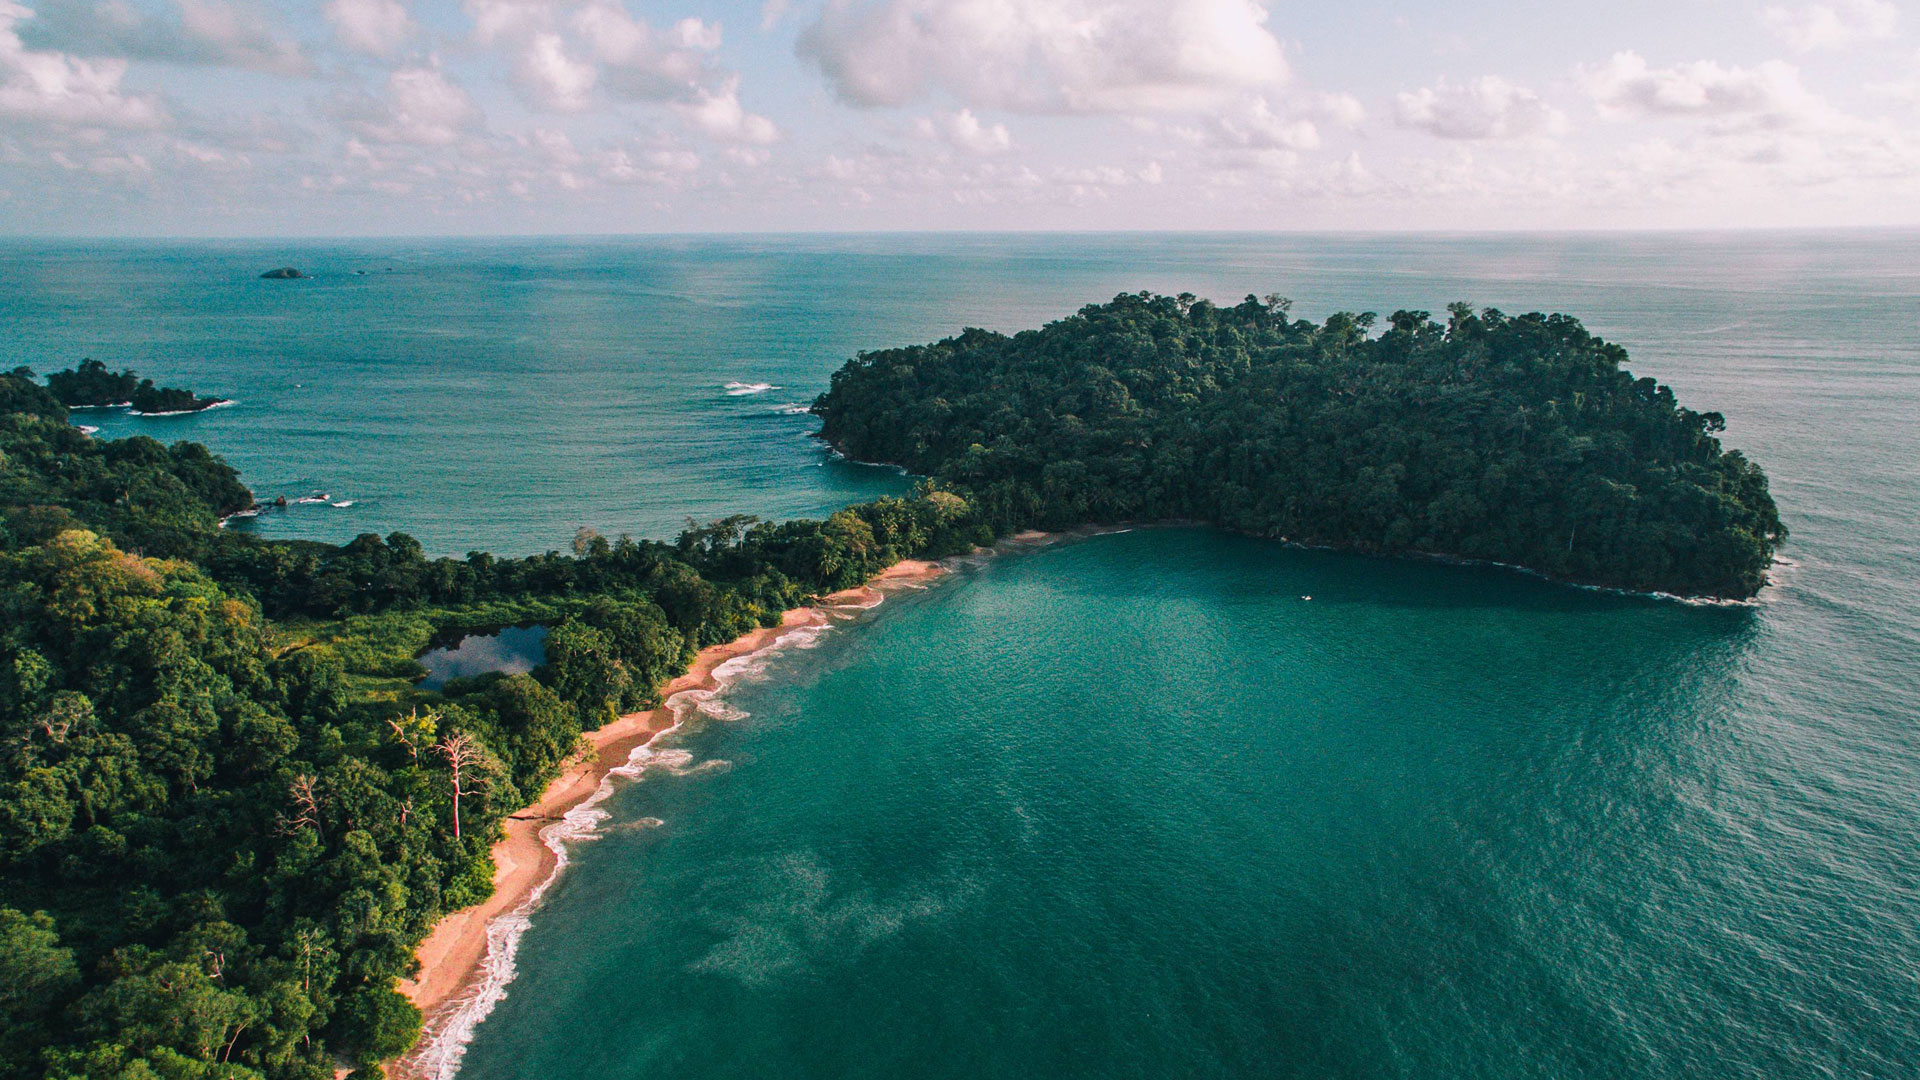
1128, 805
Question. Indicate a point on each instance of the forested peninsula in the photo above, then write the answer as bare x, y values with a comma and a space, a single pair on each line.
228, 814
1519, 440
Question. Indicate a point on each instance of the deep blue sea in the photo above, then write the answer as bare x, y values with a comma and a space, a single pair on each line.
1128, 805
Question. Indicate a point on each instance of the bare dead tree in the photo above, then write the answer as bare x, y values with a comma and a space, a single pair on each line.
469, 768
412, 733
304, 792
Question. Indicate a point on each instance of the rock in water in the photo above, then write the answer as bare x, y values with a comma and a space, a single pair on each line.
282, 273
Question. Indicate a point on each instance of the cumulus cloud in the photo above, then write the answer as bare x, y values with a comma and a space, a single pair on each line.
964, 131
1256, 125
567, 54
1086, 56
421, 107
1256, 129
1627, 86
718, 113
1745, 120
562, 49
210, 33
647, 63
375, 27
550, 77
1833, 25
1489, 107
52, 87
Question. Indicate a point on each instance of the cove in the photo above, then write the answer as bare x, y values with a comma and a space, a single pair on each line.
1133, 807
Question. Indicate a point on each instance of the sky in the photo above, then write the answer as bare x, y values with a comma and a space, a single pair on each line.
420, 117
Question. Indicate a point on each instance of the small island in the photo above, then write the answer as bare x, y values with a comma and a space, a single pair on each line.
92, 385
1511, 439
284, 273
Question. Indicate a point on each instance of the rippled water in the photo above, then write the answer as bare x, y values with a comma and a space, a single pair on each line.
1129, 806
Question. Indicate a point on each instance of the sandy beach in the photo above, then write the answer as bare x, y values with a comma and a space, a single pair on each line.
452, 956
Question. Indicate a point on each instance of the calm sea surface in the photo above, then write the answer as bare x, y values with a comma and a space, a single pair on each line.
1129, 806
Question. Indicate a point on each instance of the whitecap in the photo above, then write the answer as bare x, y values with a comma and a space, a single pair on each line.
741, 389
342, 504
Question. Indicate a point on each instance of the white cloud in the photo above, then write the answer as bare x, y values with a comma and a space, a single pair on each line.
664, 166
1750, 128
422, 107
1833, 25
211, 33
1626, 86
242, 37
375, 27
964, 131
1489, 107
568, 53
718, 113
53, 87
1254, 125
557, 147
563, 50
771, 13
547, 75
1256, 129
1102, 56
644, 62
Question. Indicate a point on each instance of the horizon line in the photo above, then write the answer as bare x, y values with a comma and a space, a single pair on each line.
1676, 230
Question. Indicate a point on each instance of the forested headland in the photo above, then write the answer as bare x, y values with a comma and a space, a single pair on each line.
227, 816
1513, 439
92, 385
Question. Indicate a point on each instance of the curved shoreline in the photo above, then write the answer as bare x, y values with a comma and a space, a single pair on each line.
462, 954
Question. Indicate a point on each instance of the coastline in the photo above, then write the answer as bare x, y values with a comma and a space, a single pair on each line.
469, 949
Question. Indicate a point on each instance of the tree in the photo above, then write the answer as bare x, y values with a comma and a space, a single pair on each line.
471, 767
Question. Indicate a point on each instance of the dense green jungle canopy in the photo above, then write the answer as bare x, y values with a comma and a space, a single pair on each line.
1519, 440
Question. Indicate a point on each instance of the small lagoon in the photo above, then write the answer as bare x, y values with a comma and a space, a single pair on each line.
514, 650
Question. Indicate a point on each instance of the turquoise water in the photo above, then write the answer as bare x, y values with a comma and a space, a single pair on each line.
1066, 816
1129, 806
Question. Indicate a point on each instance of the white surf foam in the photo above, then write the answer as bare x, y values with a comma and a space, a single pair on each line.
741, 389
438, 1057
221, 404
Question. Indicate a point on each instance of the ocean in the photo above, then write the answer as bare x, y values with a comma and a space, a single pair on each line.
1131, 804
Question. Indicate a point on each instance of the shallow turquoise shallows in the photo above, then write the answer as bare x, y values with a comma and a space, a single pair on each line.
1130, 805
